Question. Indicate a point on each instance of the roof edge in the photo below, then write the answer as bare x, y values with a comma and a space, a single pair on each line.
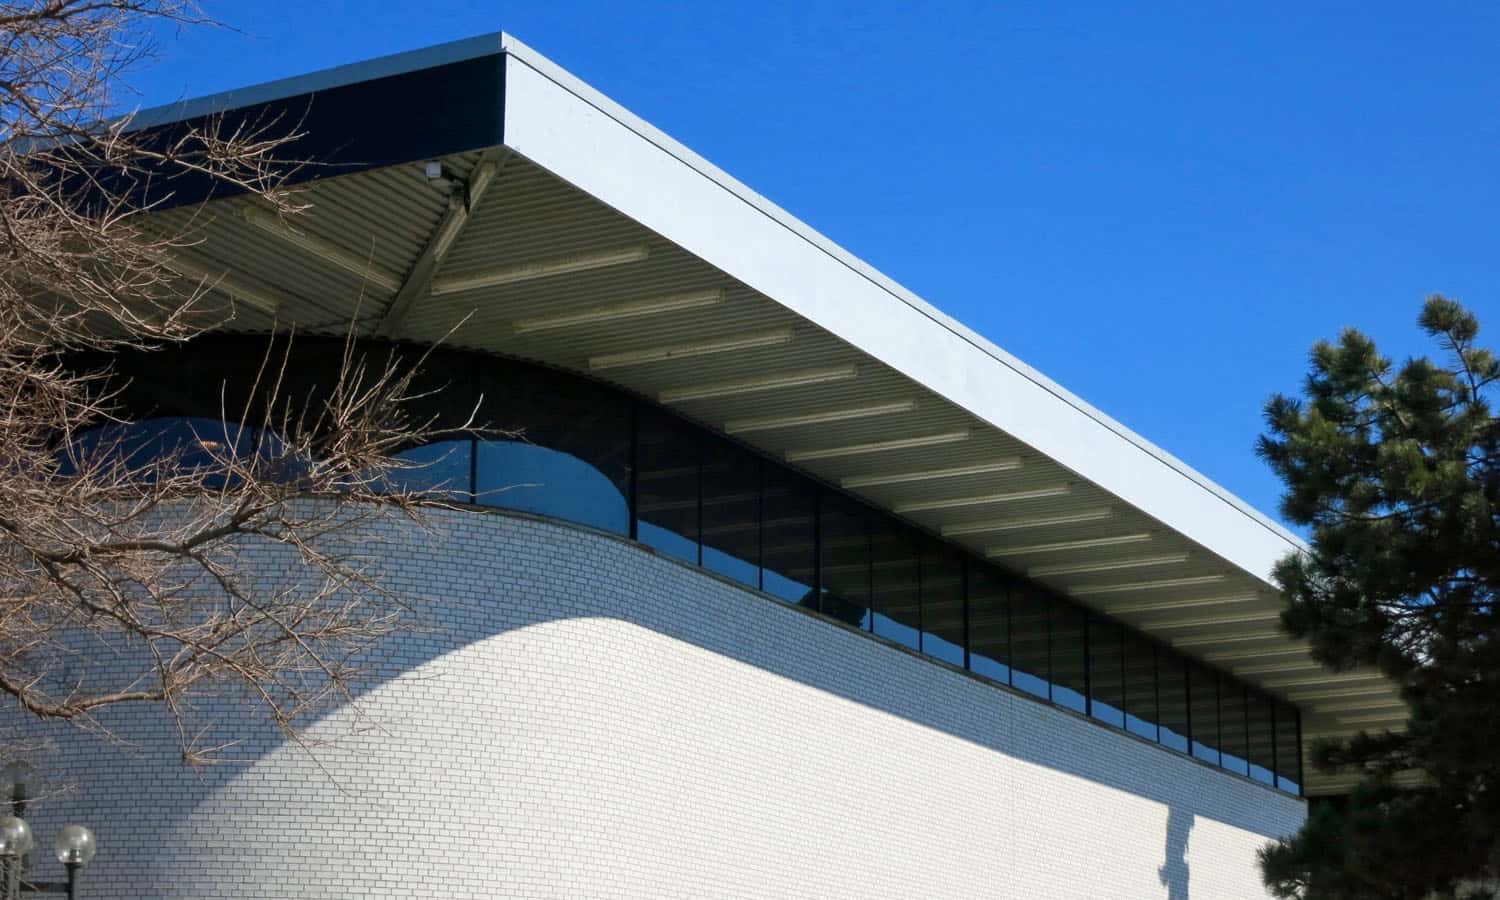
501, 42
324, 79
512, 46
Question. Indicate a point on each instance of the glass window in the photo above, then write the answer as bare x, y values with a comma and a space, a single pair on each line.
1069, 628
444, 467
731, 511
173, 445
1262, 748
1140, 686
666, 485
1203, 694
565, 446
895, 586
943, 604
789, 536
586, 426
521, 476
844, 570
1233, 739
1172, 694
1288, 749
989, 623
1106, 671
1030, 615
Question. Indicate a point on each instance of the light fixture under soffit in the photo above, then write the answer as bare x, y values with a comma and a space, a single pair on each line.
1215, 621
1090, 589
801, 378
630, 309
985, 527
1055, 490
225, 284
1055, 546
924, 440
1007, 464
1260, 639
769, 423
324, 249
582, 261
776, 338
1149, 606
1086, 568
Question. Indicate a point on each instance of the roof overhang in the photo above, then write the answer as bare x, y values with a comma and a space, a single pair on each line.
566, 230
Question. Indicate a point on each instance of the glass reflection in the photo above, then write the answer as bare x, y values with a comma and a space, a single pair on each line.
1106, 672
193, 445
1288, 748
1261, 728
1172, 701
444, 467
520, 476
1203, 695
789, 537
667, 486
1141, 714
895, 588
989, 623
844, 570
731, 512
943, 604
1069, 659
1030, 624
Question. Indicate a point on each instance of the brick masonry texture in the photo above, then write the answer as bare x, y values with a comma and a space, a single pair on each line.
583, 718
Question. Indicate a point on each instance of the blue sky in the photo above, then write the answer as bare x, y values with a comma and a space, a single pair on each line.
1161, 207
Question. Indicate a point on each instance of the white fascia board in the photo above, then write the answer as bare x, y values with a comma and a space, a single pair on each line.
570, 129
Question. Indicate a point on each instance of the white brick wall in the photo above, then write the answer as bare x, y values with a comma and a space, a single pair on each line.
592, 720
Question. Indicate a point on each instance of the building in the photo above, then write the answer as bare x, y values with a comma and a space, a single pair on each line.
795, 586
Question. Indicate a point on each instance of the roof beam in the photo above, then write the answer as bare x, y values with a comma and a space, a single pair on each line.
361, 266
1325, 677
1138, 562
989, 525
769, 423
921, 440
1053, 490
227, 284
1084, 590
1216, 622
610, 312
1393, 705
1056, 546
532, 269
801, 378
1296, 652
774, 338
1150, 606
1335, 691
1209, 639
1303, 665
1387, 717
418, 281
1004, 464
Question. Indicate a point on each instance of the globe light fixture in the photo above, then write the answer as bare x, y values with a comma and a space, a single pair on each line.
75, 845
15, 837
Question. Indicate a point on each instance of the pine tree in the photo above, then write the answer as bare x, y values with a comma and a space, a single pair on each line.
1395, 473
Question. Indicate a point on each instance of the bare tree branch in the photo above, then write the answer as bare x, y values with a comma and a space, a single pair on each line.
125, 544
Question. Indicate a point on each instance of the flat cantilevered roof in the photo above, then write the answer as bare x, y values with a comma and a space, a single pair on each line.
566, 230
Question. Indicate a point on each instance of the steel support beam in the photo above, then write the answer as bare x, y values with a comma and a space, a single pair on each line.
461, 206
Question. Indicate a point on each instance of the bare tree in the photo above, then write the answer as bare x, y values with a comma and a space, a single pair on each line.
109, 543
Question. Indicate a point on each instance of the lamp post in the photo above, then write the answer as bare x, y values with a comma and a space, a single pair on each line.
75, 845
